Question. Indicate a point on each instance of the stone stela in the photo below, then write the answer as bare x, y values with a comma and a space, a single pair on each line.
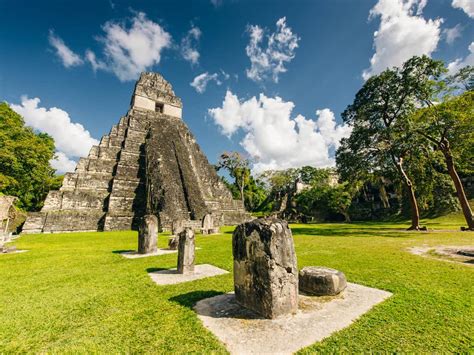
209, 225
265, 269
148, 235
149, 163
186, 252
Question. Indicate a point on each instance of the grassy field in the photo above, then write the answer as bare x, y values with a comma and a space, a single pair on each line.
74, 293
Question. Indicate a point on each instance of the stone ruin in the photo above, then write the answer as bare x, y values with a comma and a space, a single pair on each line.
149, 163
148, 235
266, 278
209, 225
265, 270
7, 215
186, 252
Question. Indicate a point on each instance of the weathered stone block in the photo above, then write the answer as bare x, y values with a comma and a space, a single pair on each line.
207, 224
148, 235
265, 272
186, 249
321, 281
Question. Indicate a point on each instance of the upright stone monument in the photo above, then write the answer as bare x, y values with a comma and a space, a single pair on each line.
209, 225
149, 163
148, 235
265, 270
186, 250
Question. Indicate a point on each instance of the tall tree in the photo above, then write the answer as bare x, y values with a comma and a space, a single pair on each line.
25, 171
449, 127
380, 116
238, 167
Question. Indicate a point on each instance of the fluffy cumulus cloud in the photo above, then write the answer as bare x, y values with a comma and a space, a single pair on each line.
200, 82
62, 164
402, 33
130, 47
274, 138
269, 54
466, 5
189, 45
459, 63
451, 34
72, 140
65, 54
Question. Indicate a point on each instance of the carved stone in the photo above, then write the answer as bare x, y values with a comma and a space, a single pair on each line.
321, 281
148, 235
265, 271
186, 250
209, 225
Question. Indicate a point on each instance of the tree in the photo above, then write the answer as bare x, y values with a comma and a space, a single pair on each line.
238, 168
463, 79
381, 140
25, 171
449, 127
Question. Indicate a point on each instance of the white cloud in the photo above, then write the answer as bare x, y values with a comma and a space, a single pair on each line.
268, 61
62, 164
275, 139
466, 5
450, 34
71, 139
200, 82
129, 50
94, 62
459, 63
189, 44
67, 56
402, 34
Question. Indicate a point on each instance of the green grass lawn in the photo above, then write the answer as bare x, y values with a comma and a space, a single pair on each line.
74, 293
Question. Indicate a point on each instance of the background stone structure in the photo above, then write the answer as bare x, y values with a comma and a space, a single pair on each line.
148, 163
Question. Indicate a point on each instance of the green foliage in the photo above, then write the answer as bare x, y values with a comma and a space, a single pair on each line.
324, 199
25, 171
245, 187
70, 293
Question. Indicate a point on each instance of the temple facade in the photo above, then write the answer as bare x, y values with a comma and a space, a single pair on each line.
149, 163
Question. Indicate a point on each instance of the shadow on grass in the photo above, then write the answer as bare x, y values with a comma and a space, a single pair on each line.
189, 299
351, 232
122, 251
155, 269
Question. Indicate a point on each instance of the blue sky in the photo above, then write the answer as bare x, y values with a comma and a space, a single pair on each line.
280, 72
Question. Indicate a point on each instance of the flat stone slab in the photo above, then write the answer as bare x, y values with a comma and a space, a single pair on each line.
171, 276
134, 254
460, 254
245, 332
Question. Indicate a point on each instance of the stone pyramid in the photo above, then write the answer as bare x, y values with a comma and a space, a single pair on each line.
149, 163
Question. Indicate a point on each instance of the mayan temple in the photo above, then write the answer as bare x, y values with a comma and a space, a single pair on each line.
149, 163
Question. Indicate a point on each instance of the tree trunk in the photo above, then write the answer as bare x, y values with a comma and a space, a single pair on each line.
347, 218
242, 192
466, 209
415, 213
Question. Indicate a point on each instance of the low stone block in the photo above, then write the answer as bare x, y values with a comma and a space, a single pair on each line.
321, 281
186, 252
265, 272
148, 235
